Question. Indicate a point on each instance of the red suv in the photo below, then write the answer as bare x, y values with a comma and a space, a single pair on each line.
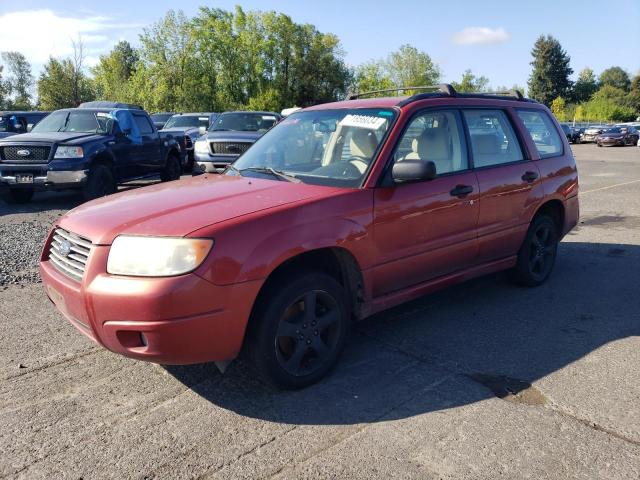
338, 212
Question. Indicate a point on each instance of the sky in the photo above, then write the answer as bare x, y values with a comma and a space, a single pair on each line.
491, 37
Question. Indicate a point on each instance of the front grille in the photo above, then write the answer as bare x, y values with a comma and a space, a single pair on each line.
25, 153
69, 253
187, 142
229, 148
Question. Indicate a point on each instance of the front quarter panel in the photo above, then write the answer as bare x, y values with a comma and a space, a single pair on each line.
253, 246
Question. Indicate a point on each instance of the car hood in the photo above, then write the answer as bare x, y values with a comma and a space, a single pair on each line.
181, 207
611, 135
233, 136
54, 137
191, 131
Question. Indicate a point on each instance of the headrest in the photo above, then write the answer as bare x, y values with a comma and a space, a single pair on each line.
363, 143
433, 144
484, 144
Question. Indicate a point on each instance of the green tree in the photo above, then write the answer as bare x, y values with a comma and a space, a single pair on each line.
471, 83
371, 76
634, 94
558, 108
609, 103
550, 76
409, 66
585, 86
616, 77
112, 73
61, 85
19, 81
4, 90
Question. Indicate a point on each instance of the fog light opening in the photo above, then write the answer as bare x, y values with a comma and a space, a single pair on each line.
143, 339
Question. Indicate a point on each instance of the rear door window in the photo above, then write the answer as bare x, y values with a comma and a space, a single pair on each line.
493, 141
543, 132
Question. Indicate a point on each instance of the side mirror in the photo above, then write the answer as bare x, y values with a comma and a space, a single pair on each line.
413, 171
202, 130
29, 127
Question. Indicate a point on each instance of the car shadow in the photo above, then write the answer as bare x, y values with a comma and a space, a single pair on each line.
462, 345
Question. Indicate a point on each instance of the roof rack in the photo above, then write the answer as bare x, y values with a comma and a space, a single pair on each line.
452, 92
444, 88
102, 104
507, 93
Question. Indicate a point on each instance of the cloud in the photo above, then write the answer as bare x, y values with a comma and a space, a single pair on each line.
480, 36
39, 34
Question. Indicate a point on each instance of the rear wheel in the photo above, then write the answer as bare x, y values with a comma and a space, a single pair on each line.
537, 254
18, 195
172, 169
100, 182
299, 331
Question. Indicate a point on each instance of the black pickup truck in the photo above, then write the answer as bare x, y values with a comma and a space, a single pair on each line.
92, 148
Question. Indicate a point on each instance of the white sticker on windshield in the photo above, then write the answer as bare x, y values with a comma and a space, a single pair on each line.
203, 118
268, 117
103, 114
363, 121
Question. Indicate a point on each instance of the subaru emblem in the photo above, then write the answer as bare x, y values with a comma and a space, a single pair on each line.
23, 153
65, 248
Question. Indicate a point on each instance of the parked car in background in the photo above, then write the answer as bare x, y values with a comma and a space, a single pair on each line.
229, 137
190, 126
572, 134
92, 148
340, 211
15, 123
618, 136
159, 119
591, 133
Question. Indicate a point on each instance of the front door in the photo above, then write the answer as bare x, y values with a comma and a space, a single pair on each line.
428, 229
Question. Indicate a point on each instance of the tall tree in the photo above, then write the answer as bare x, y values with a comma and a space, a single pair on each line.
4, 90
616, 77
60, 85
371, 76
585, 86
471, 83
19, 80
550, 76
409, 66
112, 73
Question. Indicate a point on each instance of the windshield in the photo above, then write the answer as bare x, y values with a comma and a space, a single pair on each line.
612, 130
187, 121
75, 121
5, 126
322, 147
244, 122
161, 117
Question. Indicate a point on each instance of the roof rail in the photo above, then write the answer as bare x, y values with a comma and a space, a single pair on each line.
444, 88
507, 93
102, 104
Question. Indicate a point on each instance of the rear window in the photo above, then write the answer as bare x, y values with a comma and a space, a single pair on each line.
543, 132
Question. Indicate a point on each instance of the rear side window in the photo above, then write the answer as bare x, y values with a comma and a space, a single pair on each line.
543, 132
493, 141
143, 124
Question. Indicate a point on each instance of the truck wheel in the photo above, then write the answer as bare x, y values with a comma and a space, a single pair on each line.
537, 254
100, 182
172, 169
299, 331
17, 195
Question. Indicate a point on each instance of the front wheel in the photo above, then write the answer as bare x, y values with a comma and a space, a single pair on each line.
172, 169
100, 182
537, 255
18, 195
299, 331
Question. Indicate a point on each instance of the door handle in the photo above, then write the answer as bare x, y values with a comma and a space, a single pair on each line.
530, 177
461, 190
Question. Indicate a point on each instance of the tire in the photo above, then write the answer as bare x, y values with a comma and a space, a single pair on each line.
538, 252
18, 195
293, 346
172, 170
100, 182
599, 144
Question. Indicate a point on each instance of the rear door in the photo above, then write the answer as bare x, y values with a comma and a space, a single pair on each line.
151, 155
510, 185
428, 229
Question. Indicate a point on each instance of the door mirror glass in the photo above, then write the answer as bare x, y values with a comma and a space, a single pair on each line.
202, 129
407, 171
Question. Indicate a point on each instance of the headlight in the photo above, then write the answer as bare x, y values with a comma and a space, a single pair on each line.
69, 152
156, 256
202, 146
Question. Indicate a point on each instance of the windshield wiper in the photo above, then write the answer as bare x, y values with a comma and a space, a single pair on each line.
271, 171
231, 167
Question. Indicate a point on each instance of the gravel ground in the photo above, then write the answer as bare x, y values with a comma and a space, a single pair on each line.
483, 380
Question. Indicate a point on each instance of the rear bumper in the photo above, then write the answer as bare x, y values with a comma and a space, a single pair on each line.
571, 214
173, 320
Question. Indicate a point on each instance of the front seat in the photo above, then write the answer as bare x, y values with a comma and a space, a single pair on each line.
362, 145
432, 145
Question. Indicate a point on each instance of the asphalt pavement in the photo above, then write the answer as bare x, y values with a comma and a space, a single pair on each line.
483, 380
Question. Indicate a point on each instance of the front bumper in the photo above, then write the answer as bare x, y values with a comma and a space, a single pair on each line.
207, 163
173, 320
43, 177
610, 142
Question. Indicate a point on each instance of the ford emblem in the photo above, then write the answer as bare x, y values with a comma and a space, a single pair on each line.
23, 153
65, 248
